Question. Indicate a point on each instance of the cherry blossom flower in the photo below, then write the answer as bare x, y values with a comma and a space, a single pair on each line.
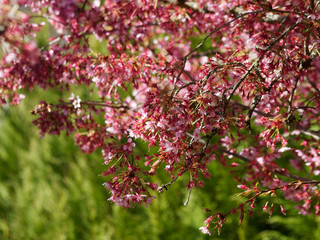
205, 230
76, 101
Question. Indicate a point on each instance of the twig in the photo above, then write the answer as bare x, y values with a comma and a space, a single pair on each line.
314, 134
163, 187
313, 85
84, 5
48, 107
291, 95
102, 104
206, 53
282, 35
255, 64
254, 110
188, 197
312, 4
255, 103
225, 101
203, 41
308, 102
278, 171
258, 192
183, 4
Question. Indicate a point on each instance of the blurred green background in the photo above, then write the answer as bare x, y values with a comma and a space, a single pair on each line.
49, 189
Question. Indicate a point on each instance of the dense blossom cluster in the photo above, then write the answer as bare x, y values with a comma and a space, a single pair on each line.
248, 95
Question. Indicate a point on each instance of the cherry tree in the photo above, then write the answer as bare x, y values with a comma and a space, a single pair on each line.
233, 81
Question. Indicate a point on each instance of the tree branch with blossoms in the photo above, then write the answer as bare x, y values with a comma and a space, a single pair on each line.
194, 81
219, 219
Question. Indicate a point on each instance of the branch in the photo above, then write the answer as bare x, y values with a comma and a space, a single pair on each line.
225, 101
256, 111
203, 41
308, 101
188, 197
206, 53
216, 30
312, 4
282, 35
255, 103
313, 85
186, 5
254, 64
314, 134
204, 80
278, 171
102, 104
258, 192
163, 187
247, 160
84, 5
291, 95
44, 107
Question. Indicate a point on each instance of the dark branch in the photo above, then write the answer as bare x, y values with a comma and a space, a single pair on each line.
186, 57
277, 171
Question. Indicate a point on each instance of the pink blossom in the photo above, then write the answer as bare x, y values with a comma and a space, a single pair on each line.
205, 230
265, 208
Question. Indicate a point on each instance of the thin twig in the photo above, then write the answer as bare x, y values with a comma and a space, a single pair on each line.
292, 94
188, 197
282, 35
259, 192
84, 5
225, 101
48, 107
163, 187
312, 4
183, 4
255, 64
254, 110
308, 101
278, 171
255, 103
203, 41
313, 85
